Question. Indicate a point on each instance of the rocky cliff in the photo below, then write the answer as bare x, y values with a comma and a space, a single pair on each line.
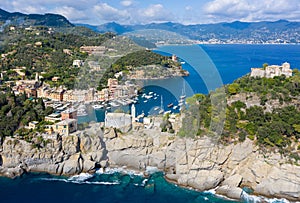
201, 163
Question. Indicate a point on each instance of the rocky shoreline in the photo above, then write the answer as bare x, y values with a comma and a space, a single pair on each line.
201, 164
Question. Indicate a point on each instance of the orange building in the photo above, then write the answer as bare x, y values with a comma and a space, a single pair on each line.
69, 114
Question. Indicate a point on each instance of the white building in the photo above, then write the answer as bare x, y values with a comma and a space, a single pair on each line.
118, 120
78, 63
272, 71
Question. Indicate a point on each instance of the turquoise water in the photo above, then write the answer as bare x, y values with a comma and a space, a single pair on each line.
98, 188
210, 66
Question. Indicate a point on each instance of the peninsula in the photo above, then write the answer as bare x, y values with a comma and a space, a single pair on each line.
258, 148
241, 137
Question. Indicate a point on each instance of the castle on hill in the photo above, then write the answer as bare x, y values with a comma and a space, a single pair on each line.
272, 71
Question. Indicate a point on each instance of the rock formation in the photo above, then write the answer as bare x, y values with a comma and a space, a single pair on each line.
202, 164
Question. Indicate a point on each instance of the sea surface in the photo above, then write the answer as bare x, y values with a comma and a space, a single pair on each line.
210, 66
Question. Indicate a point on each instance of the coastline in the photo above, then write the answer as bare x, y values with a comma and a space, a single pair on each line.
198, 164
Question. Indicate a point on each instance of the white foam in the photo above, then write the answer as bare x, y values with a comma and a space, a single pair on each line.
119, 170
102, 183
250, 198
81, 177
151, 169
144, 182
257, 199
211, 191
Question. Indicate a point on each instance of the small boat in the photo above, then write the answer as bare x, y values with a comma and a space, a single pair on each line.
175, 107
97, 106
156, 108
81, 111
148, 96
145, 101
170, 105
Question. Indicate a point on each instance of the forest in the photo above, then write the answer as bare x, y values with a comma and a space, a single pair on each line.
42, 50
17, 111
278, 129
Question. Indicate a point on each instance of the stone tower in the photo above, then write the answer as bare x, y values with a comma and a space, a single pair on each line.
133, 113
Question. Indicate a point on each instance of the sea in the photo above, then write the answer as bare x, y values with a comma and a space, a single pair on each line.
210, 66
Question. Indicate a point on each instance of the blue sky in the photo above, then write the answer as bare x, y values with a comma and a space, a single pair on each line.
96, 12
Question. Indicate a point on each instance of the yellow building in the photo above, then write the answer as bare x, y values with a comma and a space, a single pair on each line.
65, 127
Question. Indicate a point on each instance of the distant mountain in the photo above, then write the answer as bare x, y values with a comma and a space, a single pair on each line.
16, 18
114, 27
281, 31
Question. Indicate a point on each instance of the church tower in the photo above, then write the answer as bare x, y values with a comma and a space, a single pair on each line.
133, 113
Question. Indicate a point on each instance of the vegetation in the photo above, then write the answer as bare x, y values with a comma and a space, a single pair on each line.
136, 59
41, 50
16, 111
276, 128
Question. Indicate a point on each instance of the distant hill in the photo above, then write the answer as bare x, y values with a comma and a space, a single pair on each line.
16, 18
281, 31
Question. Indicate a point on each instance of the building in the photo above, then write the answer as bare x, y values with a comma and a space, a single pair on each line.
102, 95
174, 58
69, 114
121, 121
65, 127
55, 79
56, 94
93, 49
272, 71
32, 124
68, 95
55, 117
49, 129
78, 63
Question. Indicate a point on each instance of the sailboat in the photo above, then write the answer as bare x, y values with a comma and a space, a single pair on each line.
182, 96
161, 105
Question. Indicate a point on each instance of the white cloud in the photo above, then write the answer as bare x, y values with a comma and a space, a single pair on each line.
135, 11
252, 10
71, 13
188, 8
126, 3
105, 12
155, 13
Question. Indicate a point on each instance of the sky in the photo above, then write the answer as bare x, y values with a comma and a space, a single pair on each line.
97, 12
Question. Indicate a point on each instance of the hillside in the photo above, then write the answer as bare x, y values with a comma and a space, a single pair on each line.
265, 110
142, 60
52, 20
281, 31
43, 50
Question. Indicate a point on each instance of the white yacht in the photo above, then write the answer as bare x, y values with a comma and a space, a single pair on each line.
97, 106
